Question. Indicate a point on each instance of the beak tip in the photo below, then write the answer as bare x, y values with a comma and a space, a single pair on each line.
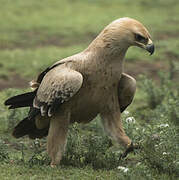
150, 48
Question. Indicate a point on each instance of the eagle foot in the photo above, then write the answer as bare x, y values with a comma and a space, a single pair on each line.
129, 149
53, 165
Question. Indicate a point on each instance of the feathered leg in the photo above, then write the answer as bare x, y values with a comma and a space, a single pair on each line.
57, 135
117, 104
114, 128
111, 118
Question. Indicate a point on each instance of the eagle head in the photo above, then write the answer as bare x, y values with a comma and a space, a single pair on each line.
126, 32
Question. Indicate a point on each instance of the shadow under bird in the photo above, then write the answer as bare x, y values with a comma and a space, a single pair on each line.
79, 87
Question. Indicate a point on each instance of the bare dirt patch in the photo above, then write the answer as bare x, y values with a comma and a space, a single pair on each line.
145, 68
166, 35
33, 39
13, 81
172, 55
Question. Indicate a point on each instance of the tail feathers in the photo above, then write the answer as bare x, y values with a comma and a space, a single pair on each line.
22, 100
27, 127
23, 128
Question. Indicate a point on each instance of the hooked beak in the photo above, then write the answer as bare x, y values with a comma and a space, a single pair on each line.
150, 47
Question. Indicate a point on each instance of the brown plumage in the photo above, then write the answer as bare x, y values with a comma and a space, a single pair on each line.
79, 87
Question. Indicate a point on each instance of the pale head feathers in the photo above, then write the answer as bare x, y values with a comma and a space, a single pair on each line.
125, 29
121, 34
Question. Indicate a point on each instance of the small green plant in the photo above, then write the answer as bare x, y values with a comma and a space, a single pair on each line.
155, 95
90, 148
4, 156
39, 156
160, 147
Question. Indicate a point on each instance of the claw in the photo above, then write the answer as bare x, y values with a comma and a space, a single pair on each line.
129, 149
53, 166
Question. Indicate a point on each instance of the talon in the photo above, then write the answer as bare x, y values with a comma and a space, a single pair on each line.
53, 165
129, 149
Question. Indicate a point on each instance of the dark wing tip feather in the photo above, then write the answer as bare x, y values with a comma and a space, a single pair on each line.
27, 127
22, 128
21, 100
7, 102
13, 100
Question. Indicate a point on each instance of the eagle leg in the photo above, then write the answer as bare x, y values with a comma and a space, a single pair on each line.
57, 136
111, 119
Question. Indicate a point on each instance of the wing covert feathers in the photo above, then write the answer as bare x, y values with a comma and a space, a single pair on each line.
57, 87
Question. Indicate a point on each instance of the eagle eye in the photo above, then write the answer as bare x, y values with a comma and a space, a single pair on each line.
140, 38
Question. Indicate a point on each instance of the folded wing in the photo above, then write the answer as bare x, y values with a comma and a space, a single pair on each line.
57, 87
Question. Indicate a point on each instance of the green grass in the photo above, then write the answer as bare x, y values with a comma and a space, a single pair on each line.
63, 173
34, 34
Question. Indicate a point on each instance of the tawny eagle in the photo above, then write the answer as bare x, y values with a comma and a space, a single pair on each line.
79, 87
